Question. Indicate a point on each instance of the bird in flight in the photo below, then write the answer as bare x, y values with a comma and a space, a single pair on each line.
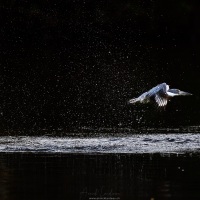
159, 95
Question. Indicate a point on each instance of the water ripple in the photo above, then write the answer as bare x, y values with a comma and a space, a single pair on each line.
143, 143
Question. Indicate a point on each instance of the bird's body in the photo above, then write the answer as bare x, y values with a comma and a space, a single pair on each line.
159, 94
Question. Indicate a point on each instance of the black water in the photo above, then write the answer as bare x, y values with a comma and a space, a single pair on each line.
100, 176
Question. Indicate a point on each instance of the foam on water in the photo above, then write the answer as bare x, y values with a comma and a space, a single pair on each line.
151, 143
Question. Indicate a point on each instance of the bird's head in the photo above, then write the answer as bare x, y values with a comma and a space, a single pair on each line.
177, 92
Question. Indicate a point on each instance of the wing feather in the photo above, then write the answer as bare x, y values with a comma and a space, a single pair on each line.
161, 89
161, 101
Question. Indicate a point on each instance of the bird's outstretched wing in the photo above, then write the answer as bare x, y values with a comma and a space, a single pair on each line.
160, 89
157, 93
140, 99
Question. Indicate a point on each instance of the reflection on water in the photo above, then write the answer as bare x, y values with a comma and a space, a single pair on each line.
102, 176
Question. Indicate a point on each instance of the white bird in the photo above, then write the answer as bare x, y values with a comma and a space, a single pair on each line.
159, 94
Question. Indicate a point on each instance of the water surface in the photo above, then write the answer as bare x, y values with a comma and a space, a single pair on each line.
105, 176
140, 166
138, 143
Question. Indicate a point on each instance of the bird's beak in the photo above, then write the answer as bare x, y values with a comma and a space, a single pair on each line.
184, 93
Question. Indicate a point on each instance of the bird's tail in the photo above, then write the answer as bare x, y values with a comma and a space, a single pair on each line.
133, 101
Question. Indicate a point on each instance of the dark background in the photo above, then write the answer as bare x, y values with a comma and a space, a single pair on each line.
66, 65
124, 176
